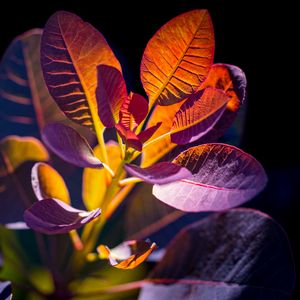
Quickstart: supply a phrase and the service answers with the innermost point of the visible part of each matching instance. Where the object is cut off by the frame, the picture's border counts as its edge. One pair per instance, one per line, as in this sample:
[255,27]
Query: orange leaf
[178,57]
[71,50]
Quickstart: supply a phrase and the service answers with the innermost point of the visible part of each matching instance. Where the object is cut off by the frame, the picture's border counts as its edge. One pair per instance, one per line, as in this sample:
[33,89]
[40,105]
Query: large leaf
[241,254]
[223,177]
[71,50]
[47,183]
[178,58]
[95,181]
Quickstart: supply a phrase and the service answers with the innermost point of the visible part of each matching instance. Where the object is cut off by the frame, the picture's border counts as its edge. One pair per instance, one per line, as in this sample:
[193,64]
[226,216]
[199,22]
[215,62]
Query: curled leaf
[52,216]
[178,57]
[127,255]
[223,177]
[160,173]
[71,50]
[234,255]
[110,94]
[70,146]
[47,183]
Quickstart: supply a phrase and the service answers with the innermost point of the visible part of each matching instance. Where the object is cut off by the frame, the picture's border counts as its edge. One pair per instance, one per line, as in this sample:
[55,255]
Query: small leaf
[178,57]
[52,216]
[234,255]
[133,111]
[129,137]
[110,94]
[160,173]
[146,134]
[223,177]
[95,181]
[127,255]
[71,50]
[198,115]
[70,146]
[47,183]
[16,150]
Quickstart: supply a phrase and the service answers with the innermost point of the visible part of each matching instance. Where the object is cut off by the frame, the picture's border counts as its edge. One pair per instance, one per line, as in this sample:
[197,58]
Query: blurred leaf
[110,94]
[234,255]
[42,279]
[47,183]
[5,290]
[95,181]
[71,50]
[16,150]
[178,58]
[223,177]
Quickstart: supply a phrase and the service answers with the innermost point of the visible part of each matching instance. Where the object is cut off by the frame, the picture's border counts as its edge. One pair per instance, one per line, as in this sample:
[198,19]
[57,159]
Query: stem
[129,180]
[76,241]
[101,142]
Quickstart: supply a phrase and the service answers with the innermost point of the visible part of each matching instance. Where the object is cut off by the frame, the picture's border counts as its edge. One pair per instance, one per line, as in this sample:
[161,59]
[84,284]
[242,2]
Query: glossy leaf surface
[52,216]
[178,57]
[70,146]
[239,254]
[127,255]
[71,50]
[160,173]
[47,183]
[223,177]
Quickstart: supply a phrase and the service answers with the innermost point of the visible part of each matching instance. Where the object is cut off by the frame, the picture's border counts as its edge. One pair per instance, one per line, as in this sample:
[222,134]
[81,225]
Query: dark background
[257,39]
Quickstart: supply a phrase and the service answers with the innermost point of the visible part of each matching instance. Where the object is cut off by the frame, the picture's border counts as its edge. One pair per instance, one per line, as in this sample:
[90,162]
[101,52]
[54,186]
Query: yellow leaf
[95,181]
[16,150]
[47,183]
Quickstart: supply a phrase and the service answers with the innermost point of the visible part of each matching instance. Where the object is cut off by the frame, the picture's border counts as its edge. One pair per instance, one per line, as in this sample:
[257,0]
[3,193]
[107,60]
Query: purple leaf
[234,255]
[5,290]
[160,173]
[146,134]
[52,216]
[197,116]
[223,177]
[70,146]
[129,137]
[110,94]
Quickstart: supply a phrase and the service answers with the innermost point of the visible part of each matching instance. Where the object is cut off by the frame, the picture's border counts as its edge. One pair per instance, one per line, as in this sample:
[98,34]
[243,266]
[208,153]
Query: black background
[254,37]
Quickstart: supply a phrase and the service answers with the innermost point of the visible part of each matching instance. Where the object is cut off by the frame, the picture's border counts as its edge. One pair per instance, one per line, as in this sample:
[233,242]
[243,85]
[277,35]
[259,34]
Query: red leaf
[129,137]
[147,133]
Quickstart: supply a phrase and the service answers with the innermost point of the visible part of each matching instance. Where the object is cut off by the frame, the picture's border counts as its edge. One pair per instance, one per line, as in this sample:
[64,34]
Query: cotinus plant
[61,88]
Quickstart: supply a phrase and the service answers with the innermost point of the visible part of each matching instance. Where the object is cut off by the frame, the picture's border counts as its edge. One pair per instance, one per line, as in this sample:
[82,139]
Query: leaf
[157,150]
[178,57]
[47,183]
[198,115]
[52,216]
[234,255]
[160,173]
[223,177]
[5,290]
[146,134]
[70,146]
[16,150]
[110,94]
[129,137]
[127,255]
[95,181]
[133,111]
[71,50]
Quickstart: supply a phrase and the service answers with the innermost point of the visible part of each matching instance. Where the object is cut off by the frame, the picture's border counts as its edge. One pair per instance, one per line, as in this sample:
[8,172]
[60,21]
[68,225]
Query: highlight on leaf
[52,216]
[178,57]
[226,256]
[71,50]
[128,255]
[223,177]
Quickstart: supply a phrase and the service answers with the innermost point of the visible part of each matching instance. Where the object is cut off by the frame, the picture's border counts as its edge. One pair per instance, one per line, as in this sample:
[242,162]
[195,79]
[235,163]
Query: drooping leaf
[178,57]
[158,149]
[52,216]
[47,183]
[239,254]
[223,177]
[127,255]
[70,146]
[5,290]
[133,111]
[110,94]
[197,116]
[160,173]
[16,150]
[71,50]
[95,181]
